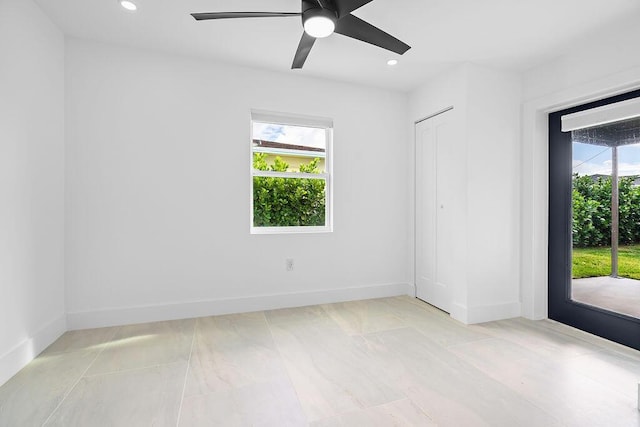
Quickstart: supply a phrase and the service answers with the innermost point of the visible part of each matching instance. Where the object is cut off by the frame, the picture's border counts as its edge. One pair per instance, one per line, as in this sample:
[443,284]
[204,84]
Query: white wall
[158,190]
[32,312]
[487,115]
[605,64]
[610,50]
[493,169]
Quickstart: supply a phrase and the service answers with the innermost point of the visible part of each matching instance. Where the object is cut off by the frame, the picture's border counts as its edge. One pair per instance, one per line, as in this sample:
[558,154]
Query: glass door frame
[616,327]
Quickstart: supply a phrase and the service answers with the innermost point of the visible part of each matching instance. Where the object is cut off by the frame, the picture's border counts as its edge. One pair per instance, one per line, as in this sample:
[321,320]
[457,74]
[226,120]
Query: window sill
[291,230]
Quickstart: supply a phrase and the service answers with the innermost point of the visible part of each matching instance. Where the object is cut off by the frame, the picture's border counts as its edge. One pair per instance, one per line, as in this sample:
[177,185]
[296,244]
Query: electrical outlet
[289,264]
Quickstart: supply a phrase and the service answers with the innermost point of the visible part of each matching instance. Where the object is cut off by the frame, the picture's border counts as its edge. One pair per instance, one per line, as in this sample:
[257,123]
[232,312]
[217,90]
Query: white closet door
[436,159]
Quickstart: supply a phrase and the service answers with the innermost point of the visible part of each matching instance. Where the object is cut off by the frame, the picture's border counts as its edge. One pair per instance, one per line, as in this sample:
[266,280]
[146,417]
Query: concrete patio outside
[620,295]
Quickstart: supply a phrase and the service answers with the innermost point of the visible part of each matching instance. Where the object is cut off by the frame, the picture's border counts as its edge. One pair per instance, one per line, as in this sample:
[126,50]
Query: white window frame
[261,116]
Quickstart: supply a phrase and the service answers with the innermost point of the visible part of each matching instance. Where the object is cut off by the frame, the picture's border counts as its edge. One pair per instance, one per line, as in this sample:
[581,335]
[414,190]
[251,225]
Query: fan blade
[356,28]
[228,15]
[345,7]
[306,43]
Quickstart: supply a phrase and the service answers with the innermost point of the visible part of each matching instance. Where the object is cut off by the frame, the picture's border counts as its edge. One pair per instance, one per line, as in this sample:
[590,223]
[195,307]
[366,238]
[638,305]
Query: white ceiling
[513,34]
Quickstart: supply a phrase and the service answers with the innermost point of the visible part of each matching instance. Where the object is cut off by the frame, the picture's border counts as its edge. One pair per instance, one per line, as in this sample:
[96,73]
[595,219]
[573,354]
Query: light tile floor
[382,362]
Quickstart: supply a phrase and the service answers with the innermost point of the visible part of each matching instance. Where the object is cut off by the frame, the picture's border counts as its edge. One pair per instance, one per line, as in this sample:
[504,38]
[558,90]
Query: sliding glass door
[594,218]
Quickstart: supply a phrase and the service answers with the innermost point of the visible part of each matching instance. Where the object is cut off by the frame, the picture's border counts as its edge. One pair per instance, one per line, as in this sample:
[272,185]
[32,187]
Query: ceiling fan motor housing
[314,11]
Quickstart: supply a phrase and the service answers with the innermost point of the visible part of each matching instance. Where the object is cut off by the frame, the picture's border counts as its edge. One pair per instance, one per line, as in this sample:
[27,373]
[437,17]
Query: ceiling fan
[321,18]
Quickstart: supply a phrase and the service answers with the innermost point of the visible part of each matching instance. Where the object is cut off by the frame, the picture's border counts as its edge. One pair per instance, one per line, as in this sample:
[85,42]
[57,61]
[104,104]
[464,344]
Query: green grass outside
[595,262]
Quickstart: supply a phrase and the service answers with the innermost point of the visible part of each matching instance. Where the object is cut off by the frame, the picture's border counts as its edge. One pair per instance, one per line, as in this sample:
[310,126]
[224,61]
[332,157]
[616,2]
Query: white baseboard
[459,312]
[185,310]
[411,290]
[25,351]
[486,313]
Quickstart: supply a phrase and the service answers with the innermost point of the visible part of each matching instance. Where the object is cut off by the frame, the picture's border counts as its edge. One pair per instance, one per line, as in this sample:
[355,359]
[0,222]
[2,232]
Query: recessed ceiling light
[392,62]
[129,5]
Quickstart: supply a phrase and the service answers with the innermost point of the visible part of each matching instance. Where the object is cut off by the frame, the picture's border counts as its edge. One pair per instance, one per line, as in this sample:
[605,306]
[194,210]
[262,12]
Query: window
[290,173]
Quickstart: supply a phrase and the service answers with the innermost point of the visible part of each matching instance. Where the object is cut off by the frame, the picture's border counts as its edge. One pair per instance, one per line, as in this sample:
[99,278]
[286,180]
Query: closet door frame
[428,287]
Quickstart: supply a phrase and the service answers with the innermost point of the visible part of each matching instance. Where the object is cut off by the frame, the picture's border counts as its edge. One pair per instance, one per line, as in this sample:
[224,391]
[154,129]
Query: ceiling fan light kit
[128,4]
[319,23]
[321,18]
